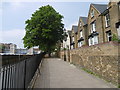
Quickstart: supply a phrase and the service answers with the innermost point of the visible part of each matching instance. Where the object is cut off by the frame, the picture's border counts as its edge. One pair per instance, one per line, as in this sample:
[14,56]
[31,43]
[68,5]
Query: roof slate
[100,7]
[75,28]
[84,19]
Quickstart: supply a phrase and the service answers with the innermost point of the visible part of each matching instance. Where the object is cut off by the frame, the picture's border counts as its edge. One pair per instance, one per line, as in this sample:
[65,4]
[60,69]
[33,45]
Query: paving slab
[56,73]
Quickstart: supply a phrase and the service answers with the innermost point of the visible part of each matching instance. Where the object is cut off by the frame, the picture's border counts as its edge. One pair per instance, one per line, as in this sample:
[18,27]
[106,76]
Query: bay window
[80,44]
[95,40]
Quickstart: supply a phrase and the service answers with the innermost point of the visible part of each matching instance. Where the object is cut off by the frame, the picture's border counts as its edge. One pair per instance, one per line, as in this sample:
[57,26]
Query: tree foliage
[44,29]
[2,47]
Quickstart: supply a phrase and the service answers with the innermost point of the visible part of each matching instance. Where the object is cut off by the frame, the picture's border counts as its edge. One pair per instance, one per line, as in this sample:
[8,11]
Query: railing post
[3,78]
[25,76]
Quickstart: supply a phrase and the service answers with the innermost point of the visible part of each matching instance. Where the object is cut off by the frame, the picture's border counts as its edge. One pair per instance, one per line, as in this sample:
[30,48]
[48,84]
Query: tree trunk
[49,54]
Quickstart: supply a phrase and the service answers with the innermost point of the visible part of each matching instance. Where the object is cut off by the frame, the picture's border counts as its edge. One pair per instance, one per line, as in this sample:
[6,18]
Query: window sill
[92,17]
[107,27]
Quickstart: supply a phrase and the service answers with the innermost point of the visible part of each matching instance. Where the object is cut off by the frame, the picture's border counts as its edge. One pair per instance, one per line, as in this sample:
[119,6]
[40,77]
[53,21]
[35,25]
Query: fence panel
[20,74]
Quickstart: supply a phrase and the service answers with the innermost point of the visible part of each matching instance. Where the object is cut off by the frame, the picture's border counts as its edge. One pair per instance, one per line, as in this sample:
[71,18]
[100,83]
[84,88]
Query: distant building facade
[21,51]
[32,51]
[10,48]
[13,48]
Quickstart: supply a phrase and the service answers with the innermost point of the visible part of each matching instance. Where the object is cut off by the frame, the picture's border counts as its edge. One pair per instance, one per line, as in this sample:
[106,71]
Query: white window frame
[90,41]
[72,46]
[118,30]
[93,27]
[119,9]
[81,33]
[109,36]
[73,39]
[95,40]
[92,13]
[81,43]
[107,20]
[80,24]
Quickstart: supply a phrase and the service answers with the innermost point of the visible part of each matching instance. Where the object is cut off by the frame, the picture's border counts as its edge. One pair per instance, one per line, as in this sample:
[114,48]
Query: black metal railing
[19,75]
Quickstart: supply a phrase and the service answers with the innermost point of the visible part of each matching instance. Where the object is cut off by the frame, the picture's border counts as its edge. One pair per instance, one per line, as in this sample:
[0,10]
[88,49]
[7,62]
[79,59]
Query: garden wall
[102,59]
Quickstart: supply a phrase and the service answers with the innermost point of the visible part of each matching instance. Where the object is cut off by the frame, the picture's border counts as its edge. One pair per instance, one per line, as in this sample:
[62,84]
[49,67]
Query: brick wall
[101,59]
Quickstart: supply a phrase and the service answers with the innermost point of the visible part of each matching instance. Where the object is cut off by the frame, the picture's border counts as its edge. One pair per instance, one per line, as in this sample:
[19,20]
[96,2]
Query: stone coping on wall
[106,43]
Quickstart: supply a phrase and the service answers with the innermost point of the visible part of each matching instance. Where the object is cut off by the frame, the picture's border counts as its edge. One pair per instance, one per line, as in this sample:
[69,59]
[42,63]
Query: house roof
[84,19]
[75,28]
[100,7]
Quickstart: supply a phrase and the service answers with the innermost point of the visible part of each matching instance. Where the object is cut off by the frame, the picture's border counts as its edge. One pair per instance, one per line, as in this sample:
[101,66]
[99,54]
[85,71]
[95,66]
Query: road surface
[56,73]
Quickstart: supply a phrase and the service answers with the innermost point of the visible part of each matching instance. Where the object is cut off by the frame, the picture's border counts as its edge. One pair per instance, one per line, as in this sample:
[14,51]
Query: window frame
[93,26]
[80,44]
[80,23]
[81,33]
[92,13]
[109,35]
[95,40]
[107,20]
[90,41]
[119,8]
[73,39]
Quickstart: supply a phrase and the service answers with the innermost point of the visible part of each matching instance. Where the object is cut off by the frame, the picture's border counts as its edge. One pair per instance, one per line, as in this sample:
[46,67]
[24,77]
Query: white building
[9,48]
[66,41]
[13,48]
[21,51]
[33,50]
[30,51]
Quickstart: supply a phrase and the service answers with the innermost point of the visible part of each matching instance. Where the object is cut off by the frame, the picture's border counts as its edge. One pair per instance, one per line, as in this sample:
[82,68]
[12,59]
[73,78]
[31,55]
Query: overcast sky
[14,14]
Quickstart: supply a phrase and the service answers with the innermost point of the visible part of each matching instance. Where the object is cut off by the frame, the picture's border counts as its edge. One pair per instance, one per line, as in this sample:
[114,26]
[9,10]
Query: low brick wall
[102,59]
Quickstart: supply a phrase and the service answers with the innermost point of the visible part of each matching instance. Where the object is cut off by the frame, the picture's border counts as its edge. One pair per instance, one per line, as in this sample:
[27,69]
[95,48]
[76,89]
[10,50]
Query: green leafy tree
[2,47]
[44,29]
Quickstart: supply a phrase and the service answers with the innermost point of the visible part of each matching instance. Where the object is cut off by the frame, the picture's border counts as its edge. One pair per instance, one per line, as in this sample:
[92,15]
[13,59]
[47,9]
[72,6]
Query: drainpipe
[103,28]
[118,11]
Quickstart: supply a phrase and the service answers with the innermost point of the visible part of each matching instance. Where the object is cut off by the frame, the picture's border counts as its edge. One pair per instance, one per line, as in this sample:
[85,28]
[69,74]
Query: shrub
[115,38]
